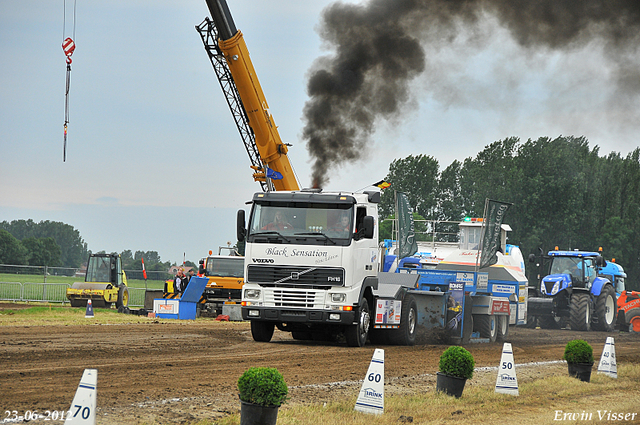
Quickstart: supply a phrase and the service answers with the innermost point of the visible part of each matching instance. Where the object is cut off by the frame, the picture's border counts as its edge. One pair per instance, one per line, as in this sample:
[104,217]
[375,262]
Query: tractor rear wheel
[580,312]
[605,310]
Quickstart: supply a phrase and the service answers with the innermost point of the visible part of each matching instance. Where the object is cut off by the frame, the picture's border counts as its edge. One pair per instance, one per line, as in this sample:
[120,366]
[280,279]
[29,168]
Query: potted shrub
[262,391]
[579,357]
[456,366]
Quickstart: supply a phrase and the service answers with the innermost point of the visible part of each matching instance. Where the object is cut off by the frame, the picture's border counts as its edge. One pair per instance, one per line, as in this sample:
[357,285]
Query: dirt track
[182,371]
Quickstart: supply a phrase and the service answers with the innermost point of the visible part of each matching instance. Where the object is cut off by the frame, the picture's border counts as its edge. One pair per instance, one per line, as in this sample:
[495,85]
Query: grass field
[53,314]
[30,278]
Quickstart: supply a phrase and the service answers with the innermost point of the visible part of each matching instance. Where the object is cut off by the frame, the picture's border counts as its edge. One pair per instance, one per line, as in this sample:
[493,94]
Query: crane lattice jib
[209,35]
[238,79]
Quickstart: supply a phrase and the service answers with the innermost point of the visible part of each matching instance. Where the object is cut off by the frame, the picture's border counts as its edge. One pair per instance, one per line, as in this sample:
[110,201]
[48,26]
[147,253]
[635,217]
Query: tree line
[563,193]
[56,244]
[47,243]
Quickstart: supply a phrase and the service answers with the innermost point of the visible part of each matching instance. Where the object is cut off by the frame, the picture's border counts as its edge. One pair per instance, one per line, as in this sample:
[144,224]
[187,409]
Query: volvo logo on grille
[263,260]
[295,276]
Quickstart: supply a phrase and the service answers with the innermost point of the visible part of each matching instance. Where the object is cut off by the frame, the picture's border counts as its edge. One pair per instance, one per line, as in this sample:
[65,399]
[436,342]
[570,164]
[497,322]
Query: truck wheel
[502,325]
[580,312]
[406,333]
[356,335]
[262,331]
[605,310]
[123,297]
[487,326]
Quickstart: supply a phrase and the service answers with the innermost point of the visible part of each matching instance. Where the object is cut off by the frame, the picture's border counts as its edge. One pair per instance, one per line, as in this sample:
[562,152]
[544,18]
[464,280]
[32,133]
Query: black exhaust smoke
[379,49]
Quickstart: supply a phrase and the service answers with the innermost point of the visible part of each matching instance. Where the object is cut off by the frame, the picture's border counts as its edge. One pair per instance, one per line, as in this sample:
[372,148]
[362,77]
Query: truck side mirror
[532,258]
[600,261]
[241,230]
[368,224]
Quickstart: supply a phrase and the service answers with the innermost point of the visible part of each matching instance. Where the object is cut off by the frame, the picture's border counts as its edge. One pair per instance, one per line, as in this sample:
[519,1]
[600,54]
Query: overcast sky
[154,160]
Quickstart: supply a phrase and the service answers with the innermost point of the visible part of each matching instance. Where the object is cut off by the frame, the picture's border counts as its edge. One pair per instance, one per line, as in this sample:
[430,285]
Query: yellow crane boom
[231,61]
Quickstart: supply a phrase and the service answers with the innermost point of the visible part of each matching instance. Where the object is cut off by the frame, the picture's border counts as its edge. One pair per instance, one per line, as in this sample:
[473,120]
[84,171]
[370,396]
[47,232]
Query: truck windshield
[302,223]
[225,267]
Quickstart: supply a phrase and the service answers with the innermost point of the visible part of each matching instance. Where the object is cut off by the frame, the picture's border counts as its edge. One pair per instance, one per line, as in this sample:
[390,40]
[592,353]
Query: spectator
[177,282]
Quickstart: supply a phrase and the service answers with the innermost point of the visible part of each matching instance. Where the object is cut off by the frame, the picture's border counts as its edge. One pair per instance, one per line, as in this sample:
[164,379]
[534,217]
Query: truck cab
[226,277]
[311,262]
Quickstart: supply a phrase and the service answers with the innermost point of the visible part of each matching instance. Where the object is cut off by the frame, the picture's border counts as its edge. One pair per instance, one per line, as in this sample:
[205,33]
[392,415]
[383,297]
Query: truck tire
[356,335]
[502,332]
[262,331]
[487,325]
[123,297]
[406,333]
[605,310]
[580,312]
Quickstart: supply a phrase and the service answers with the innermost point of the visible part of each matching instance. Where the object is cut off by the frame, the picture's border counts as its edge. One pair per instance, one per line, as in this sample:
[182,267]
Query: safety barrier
[53,293]
[10,291]
[49,292]
[136,297]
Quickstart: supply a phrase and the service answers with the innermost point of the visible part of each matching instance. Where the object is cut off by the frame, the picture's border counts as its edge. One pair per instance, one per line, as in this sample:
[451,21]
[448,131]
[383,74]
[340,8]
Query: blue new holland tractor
[574,292]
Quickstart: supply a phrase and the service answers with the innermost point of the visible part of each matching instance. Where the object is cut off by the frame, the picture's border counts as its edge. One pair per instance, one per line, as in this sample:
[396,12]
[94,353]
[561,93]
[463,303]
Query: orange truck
[226,278]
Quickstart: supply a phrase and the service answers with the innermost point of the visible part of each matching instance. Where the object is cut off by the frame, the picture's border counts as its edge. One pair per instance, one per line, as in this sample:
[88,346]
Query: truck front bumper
[284,315]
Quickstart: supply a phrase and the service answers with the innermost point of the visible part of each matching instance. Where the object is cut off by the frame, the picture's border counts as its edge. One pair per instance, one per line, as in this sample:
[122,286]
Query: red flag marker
[144,271]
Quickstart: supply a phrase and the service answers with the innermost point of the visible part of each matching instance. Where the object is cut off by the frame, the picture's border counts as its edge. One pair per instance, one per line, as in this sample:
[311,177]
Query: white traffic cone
[371,397]
[507,383]
[89,312]
[607,363]
[83,406]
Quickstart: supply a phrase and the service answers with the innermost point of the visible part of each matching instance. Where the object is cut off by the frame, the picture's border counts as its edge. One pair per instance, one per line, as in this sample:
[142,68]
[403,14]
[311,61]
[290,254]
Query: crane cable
[68,46]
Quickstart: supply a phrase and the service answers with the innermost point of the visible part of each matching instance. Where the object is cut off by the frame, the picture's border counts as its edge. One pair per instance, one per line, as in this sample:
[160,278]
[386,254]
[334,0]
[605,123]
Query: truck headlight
[338,298]
[252,294]
[556,288]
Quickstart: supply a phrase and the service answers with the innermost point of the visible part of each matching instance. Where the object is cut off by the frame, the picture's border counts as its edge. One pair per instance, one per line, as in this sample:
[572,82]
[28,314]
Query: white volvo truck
[311,264]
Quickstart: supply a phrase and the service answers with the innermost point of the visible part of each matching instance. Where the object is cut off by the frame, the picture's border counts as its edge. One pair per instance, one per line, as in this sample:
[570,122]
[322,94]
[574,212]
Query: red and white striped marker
[144,271]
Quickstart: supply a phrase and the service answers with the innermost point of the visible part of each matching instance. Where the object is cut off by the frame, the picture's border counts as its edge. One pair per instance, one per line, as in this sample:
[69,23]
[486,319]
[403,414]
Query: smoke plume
[379,48]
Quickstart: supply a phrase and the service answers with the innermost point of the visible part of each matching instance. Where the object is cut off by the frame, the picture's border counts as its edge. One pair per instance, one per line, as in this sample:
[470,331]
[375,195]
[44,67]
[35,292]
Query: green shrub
[263,385]
[578,351]
[457,361]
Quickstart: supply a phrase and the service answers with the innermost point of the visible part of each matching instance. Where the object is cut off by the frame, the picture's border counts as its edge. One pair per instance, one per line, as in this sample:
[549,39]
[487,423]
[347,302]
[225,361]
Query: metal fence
[53,293]
[47,272]
[44,271]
